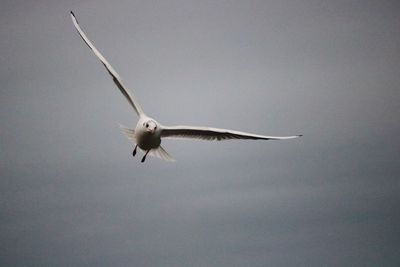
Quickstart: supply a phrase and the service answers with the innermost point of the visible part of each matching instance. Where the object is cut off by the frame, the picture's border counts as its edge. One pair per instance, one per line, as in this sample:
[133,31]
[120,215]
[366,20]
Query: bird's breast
[146,140]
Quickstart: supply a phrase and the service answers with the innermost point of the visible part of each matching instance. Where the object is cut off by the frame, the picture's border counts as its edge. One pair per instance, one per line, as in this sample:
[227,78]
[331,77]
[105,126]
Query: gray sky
[72,195]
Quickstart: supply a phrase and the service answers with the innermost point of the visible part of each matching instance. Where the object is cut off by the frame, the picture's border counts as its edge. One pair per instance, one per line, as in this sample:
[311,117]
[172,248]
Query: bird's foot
[144,157]
[134,151]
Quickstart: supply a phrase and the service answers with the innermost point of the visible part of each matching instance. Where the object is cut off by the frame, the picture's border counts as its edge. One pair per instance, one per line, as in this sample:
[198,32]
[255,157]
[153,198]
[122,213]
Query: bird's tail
[130,133]
[160,152]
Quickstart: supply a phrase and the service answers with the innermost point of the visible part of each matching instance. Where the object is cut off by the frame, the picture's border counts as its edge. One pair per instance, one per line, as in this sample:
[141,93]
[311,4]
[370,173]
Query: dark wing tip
[73,15]
[299,135]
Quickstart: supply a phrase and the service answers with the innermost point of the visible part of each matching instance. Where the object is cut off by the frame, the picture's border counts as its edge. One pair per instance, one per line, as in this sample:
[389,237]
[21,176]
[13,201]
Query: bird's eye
[147,125]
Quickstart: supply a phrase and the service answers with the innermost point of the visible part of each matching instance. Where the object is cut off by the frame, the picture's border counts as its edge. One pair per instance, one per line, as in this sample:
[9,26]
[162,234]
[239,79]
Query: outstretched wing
[116,78]
[205,133]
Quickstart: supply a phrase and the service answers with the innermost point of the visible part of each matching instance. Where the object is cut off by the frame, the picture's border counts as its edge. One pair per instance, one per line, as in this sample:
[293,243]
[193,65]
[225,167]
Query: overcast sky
[71,194]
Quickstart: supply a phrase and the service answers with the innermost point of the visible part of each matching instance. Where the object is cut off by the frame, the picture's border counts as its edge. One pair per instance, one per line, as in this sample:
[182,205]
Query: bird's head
[150,126]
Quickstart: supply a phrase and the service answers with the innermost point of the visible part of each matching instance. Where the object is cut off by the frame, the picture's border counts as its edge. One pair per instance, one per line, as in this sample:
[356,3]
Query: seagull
[148,132]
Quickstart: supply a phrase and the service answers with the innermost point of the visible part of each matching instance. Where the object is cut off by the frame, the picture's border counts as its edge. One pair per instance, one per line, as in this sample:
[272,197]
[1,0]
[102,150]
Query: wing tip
[74,19]
[295,136]
[291,137]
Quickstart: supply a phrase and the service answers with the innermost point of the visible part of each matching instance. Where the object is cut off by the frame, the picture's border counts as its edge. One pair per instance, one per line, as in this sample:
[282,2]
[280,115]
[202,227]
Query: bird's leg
[134,151]
[144,157]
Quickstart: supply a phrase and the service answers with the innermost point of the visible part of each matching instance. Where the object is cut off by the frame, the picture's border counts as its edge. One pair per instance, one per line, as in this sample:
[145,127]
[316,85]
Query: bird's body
[147,137]
[148,132]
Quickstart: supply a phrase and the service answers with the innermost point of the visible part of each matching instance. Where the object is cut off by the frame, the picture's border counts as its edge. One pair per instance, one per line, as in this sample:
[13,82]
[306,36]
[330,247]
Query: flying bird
[148,132]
